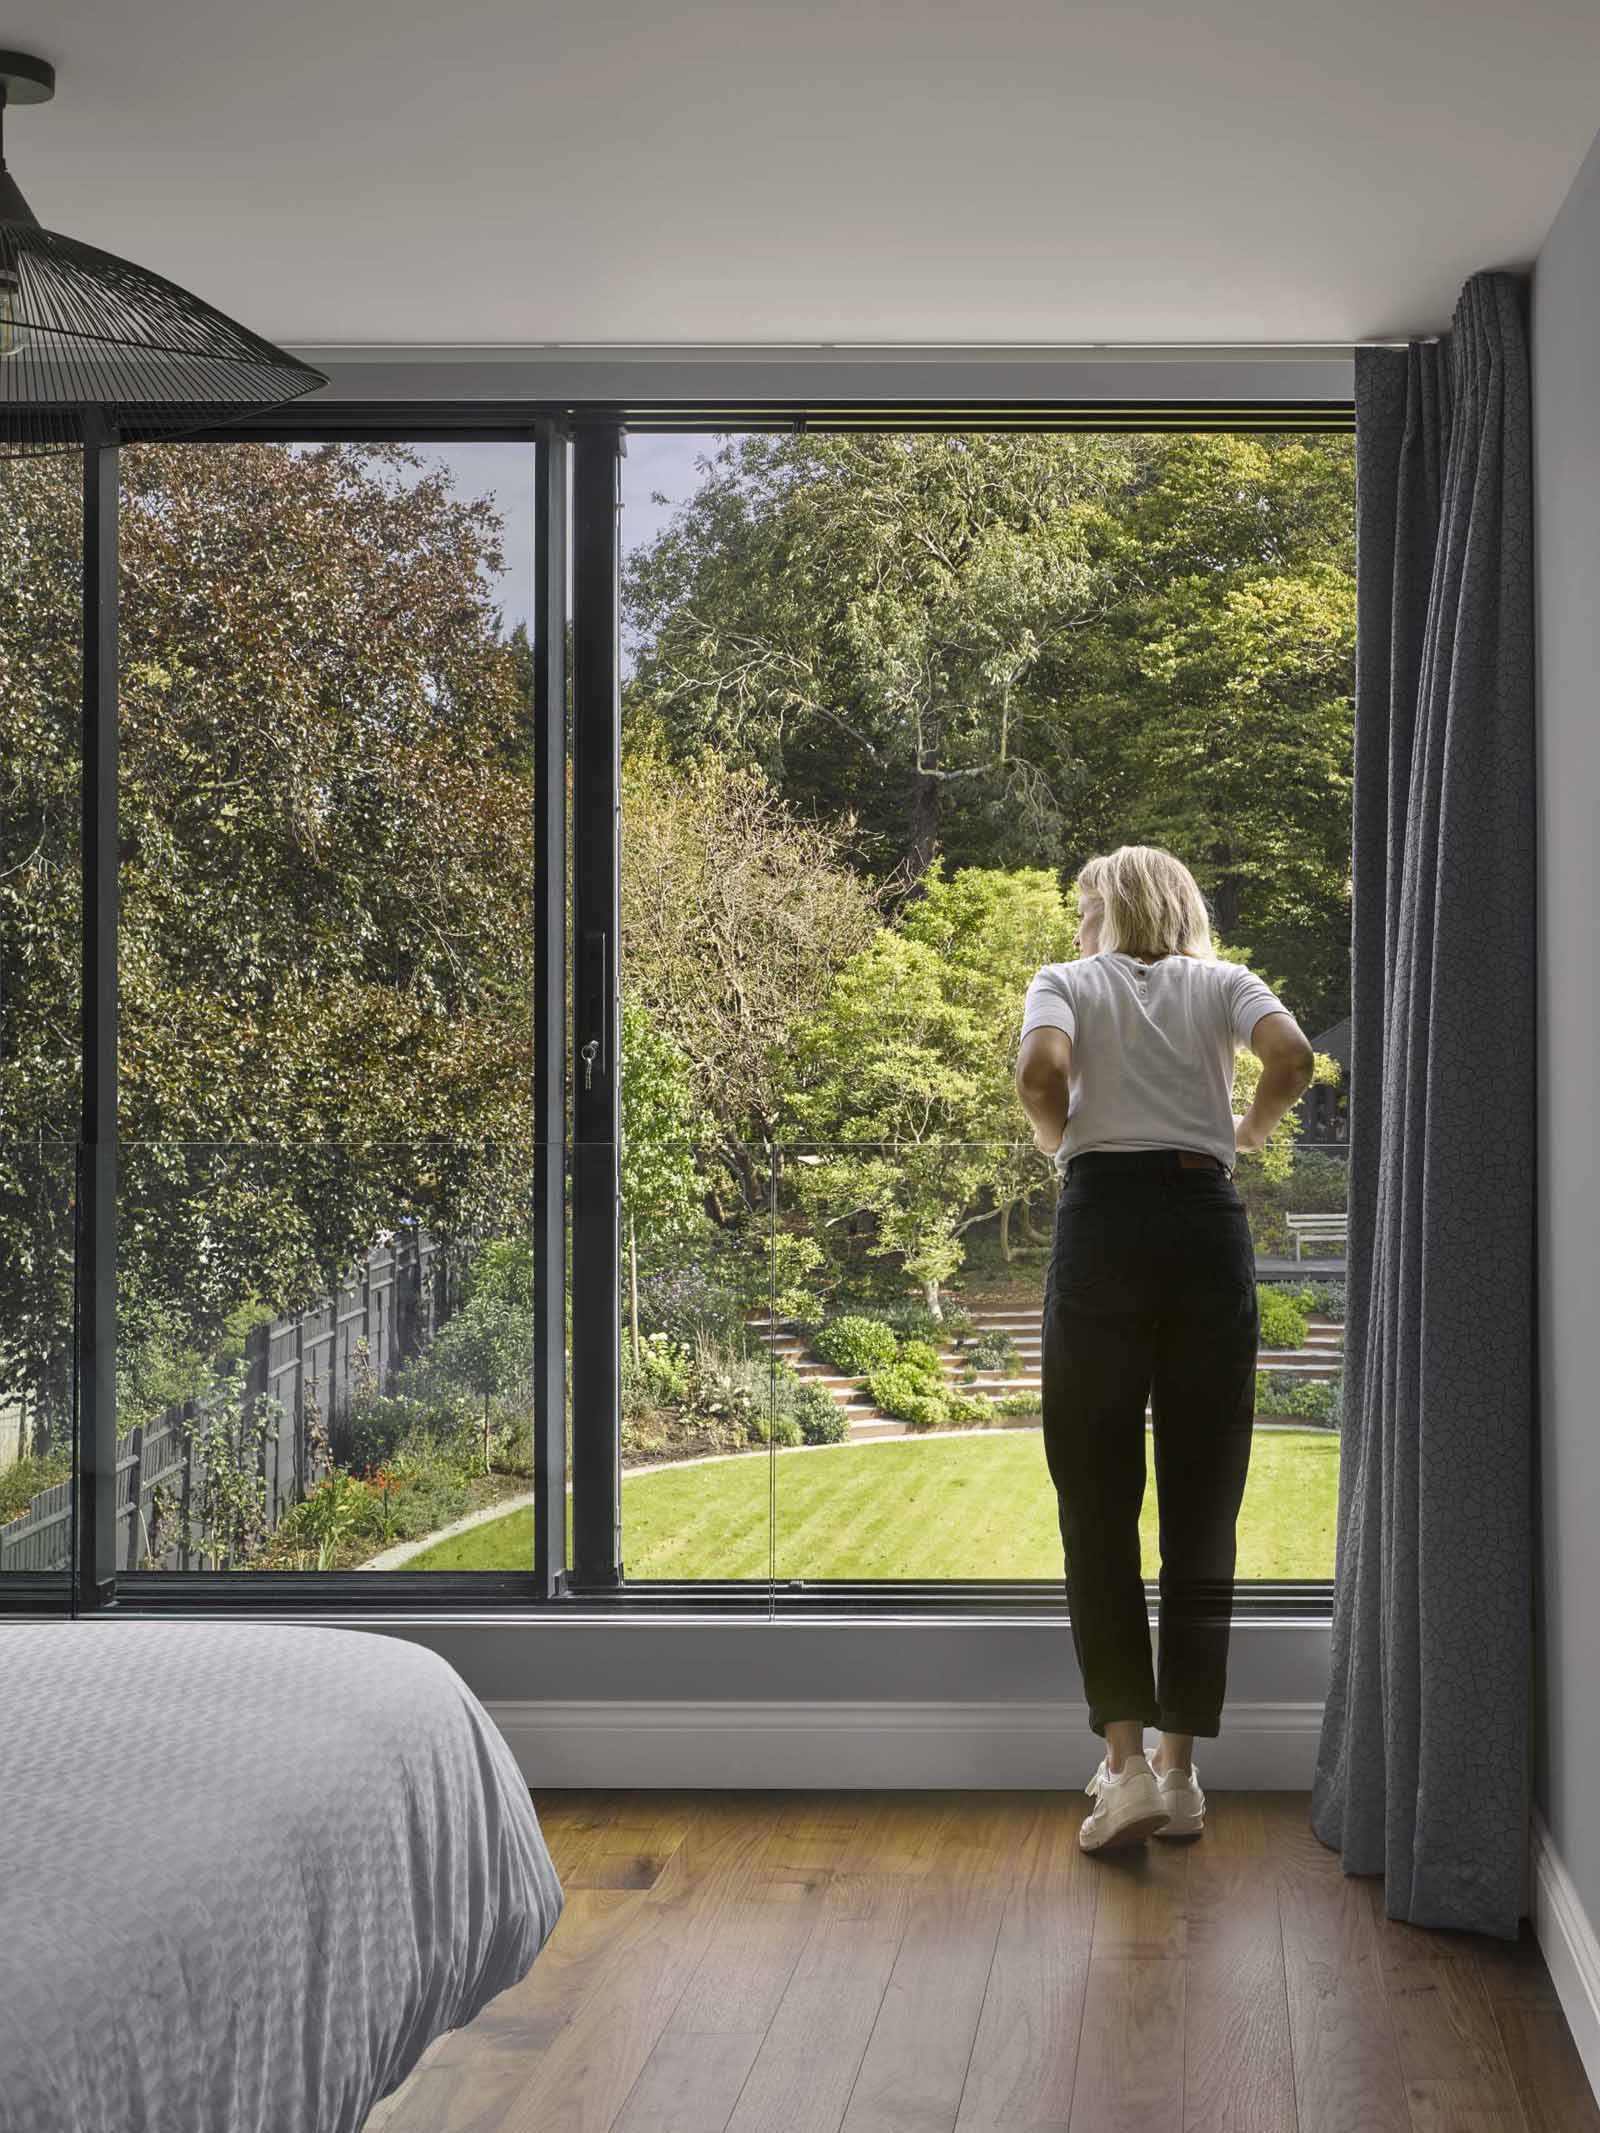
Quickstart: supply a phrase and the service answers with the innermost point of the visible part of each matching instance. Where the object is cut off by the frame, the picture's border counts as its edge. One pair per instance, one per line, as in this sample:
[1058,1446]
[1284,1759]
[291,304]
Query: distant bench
[1317,1229]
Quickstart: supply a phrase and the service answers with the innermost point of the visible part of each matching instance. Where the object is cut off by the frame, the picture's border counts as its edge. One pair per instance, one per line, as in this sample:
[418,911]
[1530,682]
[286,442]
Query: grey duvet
[247,1872]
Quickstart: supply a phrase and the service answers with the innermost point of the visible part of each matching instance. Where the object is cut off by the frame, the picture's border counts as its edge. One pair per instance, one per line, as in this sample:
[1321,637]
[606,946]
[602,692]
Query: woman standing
[1126,1072]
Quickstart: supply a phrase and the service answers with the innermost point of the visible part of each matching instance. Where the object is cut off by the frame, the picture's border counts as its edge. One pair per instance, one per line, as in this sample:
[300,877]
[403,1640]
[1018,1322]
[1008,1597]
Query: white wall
[1566,404]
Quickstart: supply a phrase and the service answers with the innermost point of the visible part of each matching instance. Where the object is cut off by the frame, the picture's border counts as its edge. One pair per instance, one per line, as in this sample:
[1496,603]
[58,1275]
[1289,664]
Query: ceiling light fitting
[86,335]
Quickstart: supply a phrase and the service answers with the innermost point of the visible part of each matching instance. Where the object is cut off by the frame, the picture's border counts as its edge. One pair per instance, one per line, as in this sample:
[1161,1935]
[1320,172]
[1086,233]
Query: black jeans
[1151,1296]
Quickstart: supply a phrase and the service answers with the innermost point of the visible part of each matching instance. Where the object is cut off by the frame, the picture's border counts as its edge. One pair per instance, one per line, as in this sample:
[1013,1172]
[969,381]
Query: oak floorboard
[698,2066]
[1130,2056]
[1551,2083]
[1025,2052]
[588,2069]
[915,2066]
[760,1976]
[1515,1973]
[1346,2063]
[1238,2066]
[633,1848]
[802,2076]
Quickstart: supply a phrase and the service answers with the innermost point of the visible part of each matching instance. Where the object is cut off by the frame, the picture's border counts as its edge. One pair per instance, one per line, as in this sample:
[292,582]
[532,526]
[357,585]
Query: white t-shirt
[1153,1048]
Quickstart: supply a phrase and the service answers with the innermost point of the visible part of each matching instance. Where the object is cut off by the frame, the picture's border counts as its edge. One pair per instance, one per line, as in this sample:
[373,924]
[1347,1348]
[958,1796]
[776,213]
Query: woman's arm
[1044,1072]
[1287,1063]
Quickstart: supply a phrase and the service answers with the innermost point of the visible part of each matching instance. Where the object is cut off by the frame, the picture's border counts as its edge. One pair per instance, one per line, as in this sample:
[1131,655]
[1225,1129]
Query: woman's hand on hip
[1248,1137]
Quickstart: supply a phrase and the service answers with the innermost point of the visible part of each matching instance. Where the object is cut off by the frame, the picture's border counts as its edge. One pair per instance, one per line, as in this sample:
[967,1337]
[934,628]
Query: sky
[664,465]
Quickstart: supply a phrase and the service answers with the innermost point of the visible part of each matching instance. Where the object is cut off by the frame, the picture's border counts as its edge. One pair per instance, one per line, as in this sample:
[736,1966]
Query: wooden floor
[952,1963]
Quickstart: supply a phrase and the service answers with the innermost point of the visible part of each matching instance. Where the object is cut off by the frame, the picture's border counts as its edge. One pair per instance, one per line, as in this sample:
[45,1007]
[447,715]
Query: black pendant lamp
[85,335]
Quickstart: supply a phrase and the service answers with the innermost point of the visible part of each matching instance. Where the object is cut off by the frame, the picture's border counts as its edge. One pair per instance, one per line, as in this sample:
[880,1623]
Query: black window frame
[577,450]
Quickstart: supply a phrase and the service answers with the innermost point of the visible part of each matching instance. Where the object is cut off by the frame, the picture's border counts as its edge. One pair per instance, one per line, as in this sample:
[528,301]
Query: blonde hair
[1152,903]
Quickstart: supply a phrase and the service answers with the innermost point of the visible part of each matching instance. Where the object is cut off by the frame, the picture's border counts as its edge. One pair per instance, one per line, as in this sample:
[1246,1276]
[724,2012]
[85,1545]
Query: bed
[247,1873]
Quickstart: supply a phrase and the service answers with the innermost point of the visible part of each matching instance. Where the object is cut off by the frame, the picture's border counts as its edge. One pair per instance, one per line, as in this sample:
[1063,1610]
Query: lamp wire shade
[89,339]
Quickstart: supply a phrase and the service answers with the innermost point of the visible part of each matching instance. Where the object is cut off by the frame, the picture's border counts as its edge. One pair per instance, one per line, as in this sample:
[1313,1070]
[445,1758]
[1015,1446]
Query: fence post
[134,1446]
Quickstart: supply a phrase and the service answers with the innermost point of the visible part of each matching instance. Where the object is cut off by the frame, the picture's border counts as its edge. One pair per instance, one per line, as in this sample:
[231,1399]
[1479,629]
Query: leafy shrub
[822,1420]
[1282,1392]
[922,1410]
[1019,1403]
[970,1410]
[1283,1323]
[914,1321]
[377,1424]
[856,1345]
[21,1483]
[776,1429]
[901,1392]
[1326,1298]
[924,1357]
[660,1377]
[692,1302]
[993,1350]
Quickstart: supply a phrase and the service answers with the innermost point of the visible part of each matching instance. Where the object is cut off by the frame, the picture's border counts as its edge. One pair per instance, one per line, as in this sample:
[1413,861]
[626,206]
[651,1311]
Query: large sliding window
[883,692]
[413,1125]
[331,1225]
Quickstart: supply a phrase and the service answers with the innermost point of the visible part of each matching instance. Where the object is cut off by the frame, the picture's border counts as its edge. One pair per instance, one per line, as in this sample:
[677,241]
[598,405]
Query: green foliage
[662,1127]
[820,1418]
[912,1388]
[777,1429]
[1283,1392]
[993,1350]
[1020,650]
[485,1352]
[326,933]
[660,1376]
[1283,1322]
[226,1517]
[856,1344]
[914,1321]
[1311,1182]
[1018,1403]
[23,1480]
[922,1356]
[1326,1298]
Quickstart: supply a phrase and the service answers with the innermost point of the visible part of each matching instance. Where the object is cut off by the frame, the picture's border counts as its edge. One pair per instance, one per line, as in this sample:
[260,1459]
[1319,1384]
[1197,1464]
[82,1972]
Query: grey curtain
[1422,1768]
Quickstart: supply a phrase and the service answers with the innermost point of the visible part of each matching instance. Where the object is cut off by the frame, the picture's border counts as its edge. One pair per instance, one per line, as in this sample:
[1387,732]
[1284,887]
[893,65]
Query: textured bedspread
[246,1873]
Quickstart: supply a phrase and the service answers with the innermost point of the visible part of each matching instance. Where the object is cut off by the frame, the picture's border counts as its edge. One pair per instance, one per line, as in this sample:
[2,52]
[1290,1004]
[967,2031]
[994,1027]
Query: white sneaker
[1128,1806]
[1180,1790]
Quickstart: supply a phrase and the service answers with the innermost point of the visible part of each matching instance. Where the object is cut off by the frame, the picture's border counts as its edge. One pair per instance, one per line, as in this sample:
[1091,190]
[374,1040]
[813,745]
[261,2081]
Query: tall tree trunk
[924,839]
[1005,1231]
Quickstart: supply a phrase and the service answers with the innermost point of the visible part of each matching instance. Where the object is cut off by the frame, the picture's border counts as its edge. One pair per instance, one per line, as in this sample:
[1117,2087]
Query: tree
[736,912]
[1021,650]
[992,931]
[326,889]
[859,610]
[662,1132]
[887,1109]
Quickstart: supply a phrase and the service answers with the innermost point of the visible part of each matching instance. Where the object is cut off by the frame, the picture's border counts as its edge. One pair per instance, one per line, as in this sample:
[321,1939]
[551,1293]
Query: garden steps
[1321,1357]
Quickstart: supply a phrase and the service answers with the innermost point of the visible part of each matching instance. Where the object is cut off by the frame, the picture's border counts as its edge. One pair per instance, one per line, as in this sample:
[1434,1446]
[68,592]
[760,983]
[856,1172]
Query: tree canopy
[1014,651]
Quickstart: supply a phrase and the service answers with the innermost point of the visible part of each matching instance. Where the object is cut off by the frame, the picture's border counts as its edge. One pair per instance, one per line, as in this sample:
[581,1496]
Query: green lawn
[932,1507]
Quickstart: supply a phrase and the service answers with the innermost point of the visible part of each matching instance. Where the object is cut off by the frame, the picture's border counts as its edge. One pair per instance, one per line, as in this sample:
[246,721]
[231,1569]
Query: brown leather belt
[1189,1161]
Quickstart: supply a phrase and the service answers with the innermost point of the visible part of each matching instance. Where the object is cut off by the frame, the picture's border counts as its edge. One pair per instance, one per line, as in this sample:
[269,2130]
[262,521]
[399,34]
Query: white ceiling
[383,172]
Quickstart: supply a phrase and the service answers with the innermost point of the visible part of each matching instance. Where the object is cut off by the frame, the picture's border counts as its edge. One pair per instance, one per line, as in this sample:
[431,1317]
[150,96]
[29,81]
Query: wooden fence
[310,1364]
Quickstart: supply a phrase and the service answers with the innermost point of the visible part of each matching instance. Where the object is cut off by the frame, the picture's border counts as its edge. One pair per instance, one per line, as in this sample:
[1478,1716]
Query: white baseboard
[821,1745]
[1571,1949]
